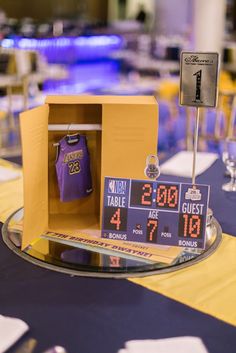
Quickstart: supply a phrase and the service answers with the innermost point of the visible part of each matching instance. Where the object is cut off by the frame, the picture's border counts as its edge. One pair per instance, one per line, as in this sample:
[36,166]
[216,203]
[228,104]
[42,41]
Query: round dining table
[95,315]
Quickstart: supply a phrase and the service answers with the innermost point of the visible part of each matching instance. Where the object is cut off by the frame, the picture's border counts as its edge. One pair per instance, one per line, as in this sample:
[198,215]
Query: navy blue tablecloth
[96,315]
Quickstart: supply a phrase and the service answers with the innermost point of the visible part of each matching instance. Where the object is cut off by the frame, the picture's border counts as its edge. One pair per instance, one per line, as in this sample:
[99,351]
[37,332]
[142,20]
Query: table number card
[156,212]
[198,79]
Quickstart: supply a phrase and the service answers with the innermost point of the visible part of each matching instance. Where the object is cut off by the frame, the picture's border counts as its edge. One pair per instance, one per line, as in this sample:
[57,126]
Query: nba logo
[111,186]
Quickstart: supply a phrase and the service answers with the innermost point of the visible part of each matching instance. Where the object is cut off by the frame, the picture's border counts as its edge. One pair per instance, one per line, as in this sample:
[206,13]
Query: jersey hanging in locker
[73,168]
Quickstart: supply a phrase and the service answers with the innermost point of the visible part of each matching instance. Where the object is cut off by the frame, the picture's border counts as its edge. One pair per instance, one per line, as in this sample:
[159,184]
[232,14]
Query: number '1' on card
[198,79]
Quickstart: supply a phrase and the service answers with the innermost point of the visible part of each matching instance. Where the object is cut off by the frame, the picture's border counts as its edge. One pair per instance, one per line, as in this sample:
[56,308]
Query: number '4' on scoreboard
[155,212]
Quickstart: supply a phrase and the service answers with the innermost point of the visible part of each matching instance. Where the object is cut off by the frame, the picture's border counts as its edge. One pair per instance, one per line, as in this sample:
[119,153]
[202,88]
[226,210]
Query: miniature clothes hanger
[71,138]
[74,127]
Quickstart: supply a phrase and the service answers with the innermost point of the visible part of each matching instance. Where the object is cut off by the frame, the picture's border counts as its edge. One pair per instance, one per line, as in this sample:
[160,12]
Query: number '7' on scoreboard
[156,212]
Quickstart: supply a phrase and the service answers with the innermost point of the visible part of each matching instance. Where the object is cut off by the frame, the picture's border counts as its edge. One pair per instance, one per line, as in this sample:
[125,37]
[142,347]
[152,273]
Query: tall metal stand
[195,144]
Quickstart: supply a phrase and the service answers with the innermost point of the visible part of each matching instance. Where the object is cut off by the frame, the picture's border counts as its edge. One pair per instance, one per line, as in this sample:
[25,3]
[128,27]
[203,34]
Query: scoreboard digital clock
[155,212]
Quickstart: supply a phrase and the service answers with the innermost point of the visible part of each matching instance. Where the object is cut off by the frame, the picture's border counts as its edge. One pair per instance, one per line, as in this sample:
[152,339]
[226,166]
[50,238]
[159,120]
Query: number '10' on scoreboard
[155,212]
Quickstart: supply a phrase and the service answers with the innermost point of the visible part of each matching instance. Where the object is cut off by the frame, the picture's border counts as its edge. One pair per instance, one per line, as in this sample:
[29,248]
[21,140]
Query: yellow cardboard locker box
[129,127]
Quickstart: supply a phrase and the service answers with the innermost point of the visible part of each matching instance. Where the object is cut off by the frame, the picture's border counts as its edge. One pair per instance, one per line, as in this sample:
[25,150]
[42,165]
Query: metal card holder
[198,87]
[199,79]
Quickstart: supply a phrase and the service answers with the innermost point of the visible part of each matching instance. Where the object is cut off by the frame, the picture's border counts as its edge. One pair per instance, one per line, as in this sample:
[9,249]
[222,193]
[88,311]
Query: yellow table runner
[11,194]
[209,286]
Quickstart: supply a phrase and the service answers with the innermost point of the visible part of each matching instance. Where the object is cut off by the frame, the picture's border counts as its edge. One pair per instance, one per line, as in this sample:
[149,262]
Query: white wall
[173,17]
[112,10]
[202,21]
[209,25]
[133,6]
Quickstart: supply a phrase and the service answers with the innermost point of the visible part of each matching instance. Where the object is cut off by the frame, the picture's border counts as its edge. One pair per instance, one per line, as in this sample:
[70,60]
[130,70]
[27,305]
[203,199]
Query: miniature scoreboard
[155,212]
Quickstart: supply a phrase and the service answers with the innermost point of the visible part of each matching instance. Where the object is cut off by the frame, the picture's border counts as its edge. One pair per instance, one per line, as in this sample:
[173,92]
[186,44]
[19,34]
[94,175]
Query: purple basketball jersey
[73,169]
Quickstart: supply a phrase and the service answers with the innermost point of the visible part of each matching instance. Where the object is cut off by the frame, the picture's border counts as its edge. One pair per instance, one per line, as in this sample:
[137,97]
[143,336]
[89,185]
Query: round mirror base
[80,262]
